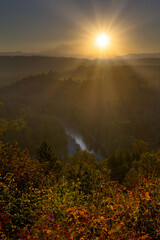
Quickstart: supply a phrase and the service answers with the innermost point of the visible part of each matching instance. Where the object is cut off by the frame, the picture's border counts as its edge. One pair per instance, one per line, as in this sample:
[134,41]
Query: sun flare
[103,40]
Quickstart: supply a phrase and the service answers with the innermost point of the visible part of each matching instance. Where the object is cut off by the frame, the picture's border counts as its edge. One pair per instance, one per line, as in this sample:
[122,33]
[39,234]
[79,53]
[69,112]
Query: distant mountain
[140,55]
[65,50]
[74,51]
[17,53]
[61,50]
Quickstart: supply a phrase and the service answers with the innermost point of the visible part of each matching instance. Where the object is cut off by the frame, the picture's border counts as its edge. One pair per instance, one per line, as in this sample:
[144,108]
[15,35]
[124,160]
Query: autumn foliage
[36,205]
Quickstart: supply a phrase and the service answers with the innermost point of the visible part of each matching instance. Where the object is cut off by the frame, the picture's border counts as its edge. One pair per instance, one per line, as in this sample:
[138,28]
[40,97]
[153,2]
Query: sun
[103,40]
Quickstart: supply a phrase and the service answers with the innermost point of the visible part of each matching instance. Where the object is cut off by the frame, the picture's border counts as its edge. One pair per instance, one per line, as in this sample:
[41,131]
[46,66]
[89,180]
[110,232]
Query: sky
[71,26]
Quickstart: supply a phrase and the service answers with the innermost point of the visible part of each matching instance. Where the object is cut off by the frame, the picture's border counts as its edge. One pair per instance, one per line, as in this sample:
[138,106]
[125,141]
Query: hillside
[113,104]
[14,68]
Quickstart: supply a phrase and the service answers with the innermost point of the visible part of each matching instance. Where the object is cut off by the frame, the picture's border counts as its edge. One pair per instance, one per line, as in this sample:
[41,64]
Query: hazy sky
[41,25]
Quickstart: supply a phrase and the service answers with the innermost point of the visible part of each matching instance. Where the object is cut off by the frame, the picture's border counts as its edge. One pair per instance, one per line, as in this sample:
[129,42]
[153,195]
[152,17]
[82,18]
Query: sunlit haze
[69,28]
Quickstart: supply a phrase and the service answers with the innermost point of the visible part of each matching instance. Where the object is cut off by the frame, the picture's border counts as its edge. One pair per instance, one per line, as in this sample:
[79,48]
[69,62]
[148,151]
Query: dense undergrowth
[74,200]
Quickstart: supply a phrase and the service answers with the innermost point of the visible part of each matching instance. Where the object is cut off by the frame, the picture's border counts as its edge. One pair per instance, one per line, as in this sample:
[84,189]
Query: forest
[47,193]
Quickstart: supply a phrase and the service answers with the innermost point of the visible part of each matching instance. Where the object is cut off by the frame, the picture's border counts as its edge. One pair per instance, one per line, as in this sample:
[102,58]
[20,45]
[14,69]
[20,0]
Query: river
[77,142]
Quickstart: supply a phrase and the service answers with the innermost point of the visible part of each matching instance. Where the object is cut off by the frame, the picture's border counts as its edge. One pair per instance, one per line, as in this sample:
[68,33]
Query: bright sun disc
[103,40]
